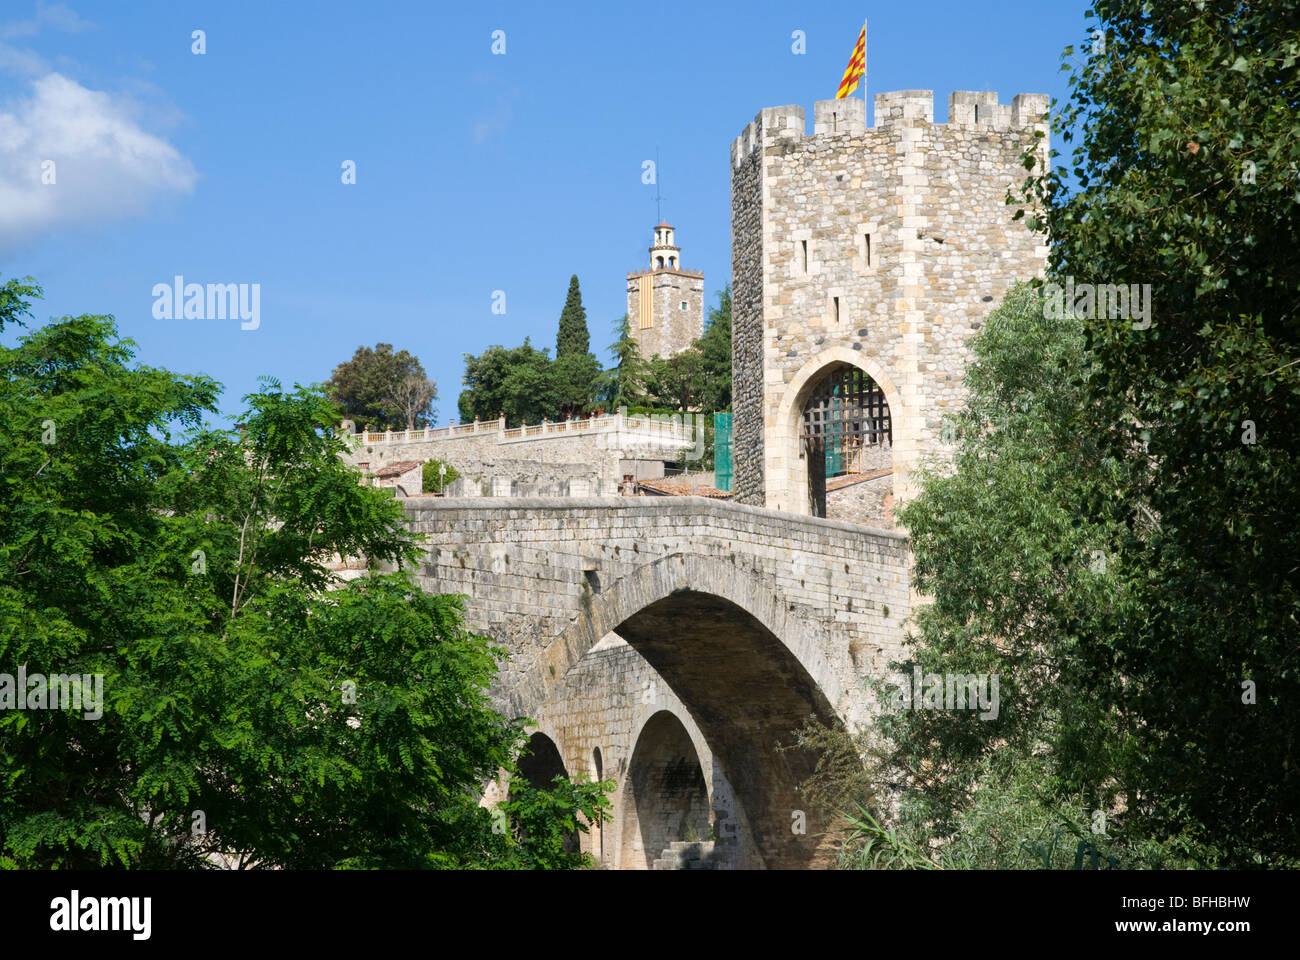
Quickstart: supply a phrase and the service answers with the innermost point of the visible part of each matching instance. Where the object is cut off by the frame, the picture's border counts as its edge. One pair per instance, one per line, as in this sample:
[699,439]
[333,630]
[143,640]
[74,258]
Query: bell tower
[663,252]
[665,304]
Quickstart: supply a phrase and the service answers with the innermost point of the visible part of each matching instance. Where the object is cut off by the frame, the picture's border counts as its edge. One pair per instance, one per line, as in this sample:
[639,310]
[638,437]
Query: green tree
[715,353]
[1017,581]
[575,381]
[676,382]
[252,706]
[1186,168]
[625,383]
[383,389]
[544,822]
[572,337]
[576,371]
[518,383]
[437,475]
[1114,539]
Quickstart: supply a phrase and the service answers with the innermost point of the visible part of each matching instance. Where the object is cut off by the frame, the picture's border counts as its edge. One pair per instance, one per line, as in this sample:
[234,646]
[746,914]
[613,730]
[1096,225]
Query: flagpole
[864,59]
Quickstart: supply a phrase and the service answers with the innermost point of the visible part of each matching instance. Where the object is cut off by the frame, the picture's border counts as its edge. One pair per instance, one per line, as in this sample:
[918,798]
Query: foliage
[676,381]
[1108,541]
[1026,587]
[1010,821]
[516,383]
[625,383]
[575,382]
[383,390]
[576,374]
[544,822]
[715,353]
[999,547]
[1010,825]
[572,337]
[253,707]
[436,478]
[1188,172]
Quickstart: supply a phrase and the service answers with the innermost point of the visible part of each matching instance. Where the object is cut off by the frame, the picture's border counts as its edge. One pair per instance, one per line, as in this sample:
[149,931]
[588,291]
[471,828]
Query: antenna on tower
[658,199]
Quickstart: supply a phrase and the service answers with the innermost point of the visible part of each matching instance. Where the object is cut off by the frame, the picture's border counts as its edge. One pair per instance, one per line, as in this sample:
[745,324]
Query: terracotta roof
[675,488]
[839,483]
[397,469]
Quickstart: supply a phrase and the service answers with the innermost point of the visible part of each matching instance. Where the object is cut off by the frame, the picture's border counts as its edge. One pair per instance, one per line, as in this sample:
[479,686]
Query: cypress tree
[573,337]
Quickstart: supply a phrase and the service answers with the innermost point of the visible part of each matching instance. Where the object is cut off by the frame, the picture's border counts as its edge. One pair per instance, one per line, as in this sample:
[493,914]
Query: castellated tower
[862,262]
[665,304]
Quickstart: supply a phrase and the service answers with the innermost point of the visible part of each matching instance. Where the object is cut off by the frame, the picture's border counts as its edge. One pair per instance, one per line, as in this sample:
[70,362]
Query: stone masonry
[739,621]
[575,458]
[881,247]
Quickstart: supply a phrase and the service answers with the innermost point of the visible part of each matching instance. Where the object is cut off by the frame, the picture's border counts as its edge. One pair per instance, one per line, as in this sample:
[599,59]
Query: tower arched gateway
[844,429]
[846,397]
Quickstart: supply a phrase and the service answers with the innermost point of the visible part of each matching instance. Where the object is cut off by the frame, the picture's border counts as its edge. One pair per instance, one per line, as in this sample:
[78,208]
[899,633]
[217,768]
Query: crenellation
[846,117]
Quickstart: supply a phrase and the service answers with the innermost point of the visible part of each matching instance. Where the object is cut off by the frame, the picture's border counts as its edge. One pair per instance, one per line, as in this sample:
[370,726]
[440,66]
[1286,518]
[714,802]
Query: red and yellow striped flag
[857,67]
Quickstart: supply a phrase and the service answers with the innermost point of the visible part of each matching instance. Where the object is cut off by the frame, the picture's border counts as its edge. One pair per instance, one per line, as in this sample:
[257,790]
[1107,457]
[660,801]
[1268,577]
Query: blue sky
[475,172]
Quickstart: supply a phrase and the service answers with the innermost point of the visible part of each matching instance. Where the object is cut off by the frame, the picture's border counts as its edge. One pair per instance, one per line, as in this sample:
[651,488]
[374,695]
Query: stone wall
[500,477]
[883,248]
[747,338]
[581,458]
[868,502]
[672,328]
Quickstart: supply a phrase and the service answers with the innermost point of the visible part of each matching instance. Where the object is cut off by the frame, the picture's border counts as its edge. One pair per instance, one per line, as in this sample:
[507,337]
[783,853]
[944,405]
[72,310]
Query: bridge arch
[743,661]
[539,765]
[787,473]
[542,762]
[665,795]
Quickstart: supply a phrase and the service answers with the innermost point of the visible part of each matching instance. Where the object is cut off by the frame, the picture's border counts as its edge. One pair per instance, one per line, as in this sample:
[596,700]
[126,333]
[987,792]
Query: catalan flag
[857,67]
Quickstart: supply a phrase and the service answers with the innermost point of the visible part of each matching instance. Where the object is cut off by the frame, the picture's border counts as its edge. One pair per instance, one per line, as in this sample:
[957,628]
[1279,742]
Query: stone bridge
[673,645]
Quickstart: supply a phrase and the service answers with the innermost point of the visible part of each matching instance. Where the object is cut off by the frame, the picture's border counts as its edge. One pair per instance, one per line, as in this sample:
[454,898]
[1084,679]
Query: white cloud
[106,166]
[495,120]
[57,16]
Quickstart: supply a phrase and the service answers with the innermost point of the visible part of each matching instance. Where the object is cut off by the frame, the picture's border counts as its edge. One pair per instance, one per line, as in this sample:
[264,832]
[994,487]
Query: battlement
[695,274]
[969,109]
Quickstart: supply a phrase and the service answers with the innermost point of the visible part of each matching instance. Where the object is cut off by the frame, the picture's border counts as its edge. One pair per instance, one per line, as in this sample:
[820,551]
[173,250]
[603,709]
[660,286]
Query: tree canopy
[253,707]
[1116,537]
[1188,169]
[516,383]
[383,389]
[526,385]
[572,336]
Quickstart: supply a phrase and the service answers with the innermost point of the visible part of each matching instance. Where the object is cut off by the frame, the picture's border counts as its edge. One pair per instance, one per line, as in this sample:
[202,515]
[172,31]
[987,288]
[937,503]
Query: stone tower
[863,259]
[665,304]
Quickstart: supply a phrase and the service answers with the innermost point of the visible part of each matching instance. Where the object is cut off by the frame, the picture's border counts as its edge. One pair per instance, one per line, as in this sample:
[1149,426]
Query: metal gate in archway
[844,414]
